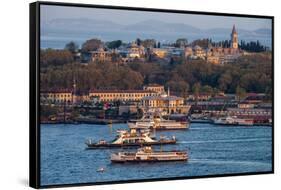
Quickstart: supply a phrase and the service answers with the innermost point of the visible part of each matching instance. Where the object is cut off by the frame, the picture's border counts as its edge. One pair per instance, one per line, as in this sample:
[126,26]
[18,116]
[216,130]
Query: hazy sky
[49,12]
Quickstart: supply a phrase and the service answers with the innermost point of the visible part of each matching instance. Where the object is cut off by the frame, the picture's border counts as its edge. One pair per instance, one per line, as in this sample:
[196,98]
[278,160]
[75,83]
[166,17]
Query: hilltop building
[220,55]
[135,51]
[234,38]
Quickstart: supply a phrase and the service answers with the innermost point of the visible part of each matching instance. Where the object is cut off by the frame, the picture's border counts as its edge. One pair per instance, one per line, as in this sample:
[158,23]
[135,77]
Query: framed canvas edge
[34,90]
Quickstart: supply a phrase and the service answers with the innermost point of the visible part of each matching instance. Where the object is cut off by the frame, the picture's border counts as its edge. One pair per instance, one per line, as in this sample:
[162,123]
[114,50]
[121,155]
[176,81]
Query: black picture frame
[34,91]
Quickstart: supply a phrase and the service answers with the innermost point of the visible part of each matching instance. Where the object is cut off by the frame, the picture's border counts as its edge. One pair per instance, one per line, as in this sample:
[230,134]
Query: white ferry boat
[146,154]
[131,138]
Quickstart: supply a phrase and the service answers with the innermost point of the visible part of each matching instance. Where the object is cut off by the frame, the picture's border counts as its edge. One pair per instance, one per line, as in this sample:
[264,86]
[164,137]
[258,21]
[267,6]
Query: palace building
[166,104]
[234,38]
[121,95]
[220,55]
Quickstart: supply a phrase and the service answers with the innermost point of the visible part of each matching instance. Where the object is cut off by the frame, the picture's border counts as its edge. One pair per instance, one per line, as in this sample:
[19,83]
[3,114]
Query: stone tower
[234,38]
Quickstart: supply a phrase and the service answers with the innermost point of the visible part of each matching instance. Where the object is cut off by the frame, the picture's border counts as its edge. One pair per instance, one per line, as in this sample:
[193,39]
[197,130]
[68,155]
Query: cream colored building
[121,95]
[165,104]
[56,96]
[188,52]
[135,51]
[213,59]
[159,52]
[199,52]
[101,55]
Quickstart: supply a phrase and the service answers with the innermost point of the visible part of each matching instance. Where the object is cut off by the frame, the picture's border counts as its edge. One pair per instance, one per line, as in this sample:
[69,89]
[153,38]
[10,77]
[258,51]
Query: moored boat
[131,138]
[156,121]
[146,154]
[233,121]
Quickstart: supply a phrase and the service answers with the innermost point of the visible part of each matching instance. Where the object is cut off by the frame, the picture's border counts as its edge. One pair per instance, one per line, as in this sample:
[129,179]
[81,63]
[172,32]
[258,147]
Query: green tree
[181,42]
[92,45]
[71,46]
[225,80]
[240,93]
[114,44]
[50,57]
[196,90]
[158,45]
[148,43]
[207,89]
[138,41]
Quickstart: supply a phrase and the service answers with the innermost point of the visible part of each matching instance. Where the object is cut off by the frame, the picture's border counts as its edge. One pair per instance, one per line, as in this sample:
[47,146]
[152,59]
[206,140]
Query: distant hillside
[153,26]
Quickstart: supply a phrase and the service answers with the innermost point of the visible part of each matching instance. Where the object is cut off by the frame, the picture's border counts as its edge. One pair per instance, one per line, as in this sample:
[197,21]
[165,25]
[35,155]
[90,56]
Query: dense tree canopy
[114,44]
[249,73]
[92,45]
[181,42]
[50,57]
[71,46]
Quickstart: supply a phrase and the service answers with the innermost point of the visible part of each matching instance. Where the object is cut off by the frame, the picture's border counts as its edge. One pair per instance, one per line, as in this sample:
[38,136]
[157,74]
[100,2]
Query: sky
[50,12]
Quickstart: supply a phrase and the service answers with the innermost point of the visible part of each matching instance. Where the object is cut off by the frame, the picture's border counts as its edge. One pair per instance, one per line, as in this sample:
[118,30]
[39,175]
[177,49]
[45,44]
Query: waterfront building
[165,104]
[56,96]
[244,105]
[121,95]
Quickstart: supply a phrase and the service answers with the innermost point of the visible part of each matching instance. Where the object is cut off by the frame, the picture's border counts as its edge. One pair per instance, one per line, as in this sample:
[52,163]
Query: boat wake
[230,162]
[225,140]
[199,128]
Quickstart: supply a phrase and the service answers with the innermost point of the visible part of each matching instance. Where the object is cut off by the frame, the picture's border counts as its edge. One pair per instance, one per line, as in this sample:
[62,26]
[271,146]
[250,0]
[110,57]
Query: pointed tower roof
[234,29]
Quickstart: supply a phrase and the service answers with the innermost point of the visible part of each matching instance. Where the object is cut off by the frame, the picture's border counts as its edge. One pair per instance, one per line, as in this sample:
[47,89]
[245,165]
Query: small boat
[233,121]
[101,169]
[131,138]
[146,154]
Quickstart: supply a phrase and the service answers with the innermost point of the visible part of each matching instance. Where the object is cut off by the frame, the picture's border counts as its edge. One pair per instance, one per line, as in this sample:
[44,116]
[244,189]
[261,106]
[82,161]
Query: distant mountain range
[147,26]
[56,33]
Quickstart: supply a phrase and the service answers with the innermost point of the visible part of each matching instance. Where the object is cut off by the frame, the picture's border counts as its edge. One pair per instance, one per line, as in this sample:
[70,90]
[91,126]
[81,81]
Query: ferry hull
[150,161]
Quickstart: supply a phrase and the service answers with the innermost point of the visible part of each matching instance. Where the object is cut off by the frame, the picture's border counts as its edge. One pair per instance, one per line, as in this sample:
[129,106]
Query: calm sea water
[58,40]
[212,150]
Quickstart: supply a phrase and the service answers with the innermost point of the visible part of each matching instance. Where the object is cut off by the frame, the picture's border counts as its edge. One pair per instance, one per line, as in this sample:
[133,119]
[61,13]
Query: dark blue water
[212,150]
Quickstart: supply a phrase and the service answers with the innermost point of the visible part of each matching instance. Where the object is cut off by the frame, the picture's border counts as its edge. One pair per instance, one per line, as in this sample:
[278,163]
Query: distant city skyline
[49,12]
